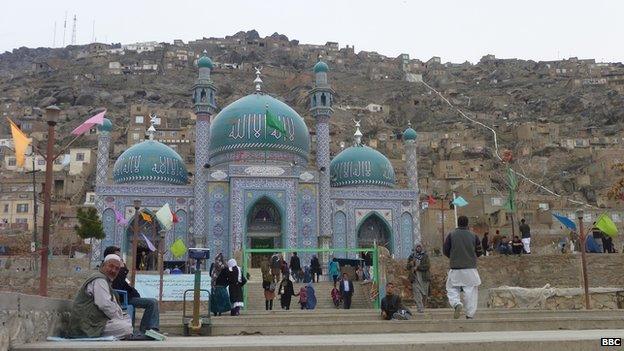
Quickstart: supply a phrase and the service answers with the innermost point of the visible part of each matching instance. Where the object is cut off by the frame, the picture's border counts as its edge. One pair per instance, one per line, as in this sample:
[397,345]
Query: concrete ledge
[30,318]
[578,340]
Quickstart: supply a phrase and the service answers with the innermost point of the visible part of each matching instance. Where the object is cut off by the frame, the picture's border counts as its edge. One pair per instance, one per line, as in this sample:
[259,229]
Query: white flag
[165,217]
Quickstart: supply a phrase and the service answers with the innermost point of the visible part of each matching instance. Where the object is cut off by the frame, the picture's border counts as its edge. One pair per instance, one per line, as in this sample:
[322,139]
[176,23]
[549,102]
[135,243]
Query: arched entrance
[147,259]
[264,228]
[374,229]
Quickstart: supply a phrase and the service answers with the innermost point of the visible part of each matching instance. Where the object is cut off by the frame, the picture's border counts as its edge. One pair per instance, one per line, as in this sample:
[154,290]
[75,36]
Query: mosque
[253,185]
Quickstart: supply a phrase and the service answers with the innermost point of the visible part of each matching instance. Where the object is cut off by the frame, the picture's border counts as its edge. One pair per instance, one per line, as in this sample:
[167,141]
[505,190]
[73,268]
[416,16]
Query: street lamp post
[135,241]
[52,113]
[579,215]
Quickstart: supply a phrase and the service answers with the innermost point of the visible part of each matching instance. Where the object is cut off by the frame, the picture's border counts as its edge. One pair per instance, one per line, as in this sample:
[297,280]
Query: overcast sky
[455,30]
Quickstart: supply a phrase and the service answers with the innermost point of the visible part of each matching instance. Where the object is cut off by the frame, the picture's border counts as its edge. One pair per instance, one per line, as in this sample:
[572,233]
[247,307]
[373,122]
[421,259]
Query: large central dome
[242,126]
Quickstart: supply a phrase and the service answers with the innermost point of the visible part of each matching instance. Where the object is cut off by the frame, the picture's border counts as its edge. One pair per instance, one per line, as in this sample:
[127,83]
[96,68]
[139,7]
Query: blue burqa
[311,304]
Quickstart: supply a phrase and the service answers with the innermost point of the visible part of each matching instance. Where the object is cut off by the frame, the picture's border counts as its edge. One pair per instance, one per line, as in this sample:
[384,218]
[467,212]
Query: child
[335,295]
[303,297]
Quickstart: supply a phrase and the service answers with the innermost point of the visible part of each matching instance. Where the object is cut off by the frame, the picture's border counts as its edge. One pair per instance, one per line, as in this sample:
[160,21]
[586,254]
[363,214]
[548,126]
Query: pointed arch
[381,231]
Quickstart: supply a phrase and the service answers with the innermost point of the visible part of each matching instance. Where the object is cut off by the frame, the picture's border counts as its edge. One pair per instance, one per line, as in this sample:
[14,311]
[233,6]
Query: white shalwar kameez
[468,281]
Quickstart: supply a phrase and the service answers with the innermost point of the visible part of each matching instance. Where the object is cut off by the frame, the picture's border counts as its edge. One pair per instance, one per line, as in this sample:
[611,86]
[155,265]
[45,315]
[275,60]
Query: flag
[175,217]
[273,122]
[606,225]
[149,243]
[431,200]
[460,202]
[178,249]
[146,217]
[20,142]
[164,217]
[119,218]
[88,124]
[565,221]
[512,183]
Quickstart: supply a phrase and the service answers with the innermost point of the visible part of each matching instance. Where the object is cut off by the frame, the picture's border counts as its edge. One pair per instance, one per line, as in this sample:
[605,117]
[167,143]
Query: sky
[455,30]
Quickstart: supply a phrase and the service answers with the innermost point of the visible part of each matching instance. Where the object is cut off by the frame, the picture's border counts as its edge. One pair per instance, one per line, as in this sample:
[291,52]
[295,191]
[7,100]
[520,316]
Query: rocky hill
[582,98]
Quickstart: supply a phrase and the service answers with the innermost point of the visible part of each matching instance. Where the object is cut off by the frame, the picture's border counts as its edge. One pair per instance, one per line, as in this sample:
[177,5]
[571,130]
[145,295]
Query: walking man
[463,247]
[346,290]
[525,230]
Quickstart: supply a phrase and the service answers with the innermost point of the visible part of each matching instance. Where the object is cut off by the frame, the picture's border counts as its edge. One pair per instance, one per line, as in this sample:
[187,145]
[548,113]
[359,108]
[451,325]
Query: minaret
[101,173]
[411,157]
[320,106]
[103,151]
[204,93]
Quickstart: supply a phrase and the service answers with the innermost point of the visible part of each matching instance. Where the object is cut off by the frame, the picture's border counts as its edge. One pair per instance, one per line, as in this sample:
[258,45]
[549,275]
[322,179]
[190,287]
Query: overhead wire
[497,153]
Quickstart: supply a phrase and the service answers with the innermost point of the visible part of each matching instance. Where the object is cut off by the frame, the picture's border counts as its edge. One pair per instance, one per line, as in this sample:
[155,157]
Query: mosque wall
[218,217]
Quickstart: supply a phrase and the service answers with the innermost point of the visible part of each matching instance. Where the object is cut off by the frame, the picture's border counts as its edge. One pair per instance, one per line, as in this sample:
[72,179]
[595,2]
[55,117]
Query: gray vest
[87,320]
[463,249]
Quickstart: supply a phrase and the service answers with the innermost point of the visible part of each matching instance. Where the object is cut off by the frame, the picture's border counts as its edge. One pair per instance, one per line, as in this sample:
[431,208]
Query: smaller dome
[321,67]
[361,165]
[150,161]
[409,134]
[204,62]
[107,126]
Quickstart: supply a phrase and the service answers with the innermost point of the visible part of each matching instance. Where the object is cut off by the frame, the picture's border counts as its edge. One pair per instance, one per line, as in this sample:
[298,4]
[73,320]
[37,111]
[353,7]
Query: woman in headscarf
[268,285]
[220,300]
[418,267]
[236,282]
[286,291]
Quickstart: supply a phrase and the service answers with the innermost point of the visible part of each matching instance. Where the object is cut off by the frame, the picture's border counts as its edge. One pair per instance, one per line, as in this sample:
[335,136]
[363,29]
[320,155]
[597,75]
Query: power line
[497,154]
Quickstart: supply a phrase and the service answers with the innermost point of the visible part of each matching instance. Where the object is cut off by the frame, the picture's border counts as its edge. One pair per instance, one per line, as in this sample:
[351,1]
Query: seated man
[95,311]
[151,315]
[391,305]
[503,246]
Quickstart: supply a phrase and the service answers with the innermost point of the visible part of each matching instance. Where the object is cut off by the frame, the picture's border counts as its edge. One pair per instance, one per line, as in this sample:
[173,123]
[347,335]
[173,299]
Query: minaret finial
[258,80]
[409,124]
[151,130]
[358,134]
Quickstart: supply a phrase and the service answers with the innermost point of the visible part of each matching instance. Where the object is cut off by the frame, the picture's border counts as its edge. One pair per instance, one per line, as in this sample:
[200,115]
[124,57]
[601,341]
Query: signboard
[173,286]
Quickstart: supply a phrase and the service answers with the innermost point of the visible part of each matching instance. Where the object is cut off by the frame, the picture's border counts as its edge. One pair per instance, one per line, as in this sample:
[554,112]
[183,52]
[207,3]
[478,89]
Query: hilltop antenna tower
[73,40]
[64,28]
[54,36]
[93,33]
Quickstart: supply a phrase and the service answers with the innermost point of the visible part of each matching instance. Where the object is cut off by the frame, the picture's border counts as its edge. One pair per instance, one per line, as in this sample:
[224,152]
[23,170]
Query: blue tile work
[218,221]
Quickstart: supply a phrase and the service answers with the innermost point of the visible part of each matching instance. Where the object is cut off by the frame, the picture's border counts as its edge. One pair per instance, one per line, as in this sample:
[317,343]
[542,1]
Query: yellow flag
[606,225]
[178,249]
[20,141]
[146,217]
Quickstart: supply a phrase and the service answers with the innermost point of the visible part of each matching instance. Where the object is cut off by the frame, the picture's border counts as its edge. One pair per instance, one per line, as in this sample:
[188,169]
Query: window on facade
[41,162]
[138,119]
[135,136]
[157,121]
[21,220]
[12,162]
[80,156]
[22,208]
[6,208]
[91,198]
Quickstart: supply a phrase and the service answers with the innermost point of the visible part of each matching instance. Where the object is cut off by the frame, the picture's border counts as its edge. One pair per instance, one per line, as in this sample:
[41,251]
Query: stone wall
[27,318]
[528,271]
[548,298]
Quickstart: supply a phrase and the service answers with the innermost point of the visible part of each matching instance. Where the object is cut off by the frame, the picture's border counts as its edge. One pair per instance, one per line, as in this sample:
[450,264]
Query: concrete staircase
[367,321]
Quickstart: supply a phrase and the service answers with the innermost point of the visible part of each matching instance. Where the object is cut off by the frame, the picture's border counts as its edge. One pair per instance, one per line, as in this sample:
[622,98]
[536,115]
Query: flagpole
[455,207]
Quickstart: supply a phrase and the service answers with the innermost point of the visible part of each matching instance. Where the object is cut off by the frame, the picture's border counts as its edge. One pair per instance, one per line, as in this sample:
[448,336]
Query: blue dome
[205,62]
[361,165]
[242,126]
[321,67]
[150,161]
[409,134]
[107,126]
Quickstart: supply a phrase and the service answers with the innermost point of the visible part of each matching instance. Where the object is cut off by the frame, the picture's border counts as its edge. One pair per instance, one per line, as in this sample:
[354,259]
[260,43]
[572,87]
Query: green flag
[273,122]
[510,204]
[606,225]
[178,249]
